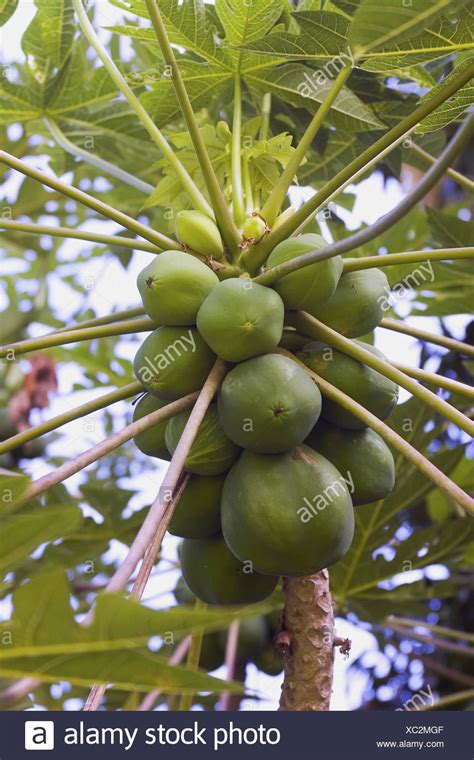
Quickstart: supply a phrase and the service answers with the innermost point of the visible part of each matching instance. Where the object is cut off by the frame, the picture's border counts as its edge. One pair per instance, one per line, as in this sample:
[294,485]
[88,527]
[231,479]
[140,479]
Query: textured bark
[308,631]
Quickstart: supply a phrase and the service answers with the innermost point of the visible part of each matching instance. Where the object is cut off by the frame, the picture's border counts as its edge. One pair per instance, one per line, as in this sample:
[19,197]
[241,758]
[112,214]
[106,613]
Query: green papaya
[268,404]
[357,305]
[212,452]
[240,319]
[182,593]
[362,454]
[365,385]
[269,660]
[200,233]
[152,441]
[287,514]
[254,228]
[173,361]
[173,287]
[311,286]
[216,576]
[198,512]
[252,638]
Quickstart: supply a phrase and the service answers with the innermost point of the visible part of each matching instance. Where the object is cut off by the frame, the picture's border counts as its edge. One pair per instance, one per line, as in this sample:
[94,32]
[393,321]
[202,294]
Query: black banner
[249,735]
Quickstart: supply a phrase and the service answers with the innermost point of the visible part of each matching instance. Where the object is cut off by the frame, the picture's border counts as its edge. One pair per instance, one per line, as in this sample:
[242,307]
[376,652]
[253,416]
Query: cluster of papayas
[276,470]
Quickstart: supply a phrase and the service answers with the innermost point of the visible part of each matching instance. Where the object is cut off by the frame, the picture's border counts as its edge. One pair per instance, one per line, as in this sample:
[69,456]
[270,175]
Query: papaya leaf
[51,646]
[322,37]
[379,23]
[448,231]
[54,31]
[23,533]
[13,486]
[446,36]
[244,21]
[300,86]
[7,9]
[453,108]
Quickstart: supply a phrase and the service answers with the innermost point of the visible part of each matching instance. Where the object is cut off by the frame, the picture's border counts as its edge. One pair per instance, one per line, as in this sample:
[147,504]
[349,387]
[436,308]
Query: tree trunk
[308,632]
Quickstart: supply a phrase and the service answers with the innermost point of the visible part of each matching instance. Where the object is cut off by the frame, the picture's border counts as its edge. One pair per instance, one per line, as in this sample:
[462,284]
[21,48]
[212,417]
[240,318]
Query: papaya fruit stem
[306,211]
[66,232]
[194,655]
[312,326]
[275,200]
[97,161]
[409,257]
[125,327]
[161,241]
[309,659]
[156,135]
[223,217]
[72,414]
[389,435]
[440,340]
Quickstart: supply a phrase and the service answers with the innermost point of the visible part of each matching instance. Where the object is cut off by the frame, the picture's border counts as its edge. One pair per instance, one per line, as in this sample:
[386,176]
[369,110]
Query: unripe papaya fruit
[212,452]
[361,454]
[269,661]
[365,385]
[254,228]
[311,286]
[252,638]
[152,441]
[200,233]
[198,512]
[183,593]
[268,404]
[356,306]
[288,514]
[240,319]
[173,361]
[174,286]
[216,576]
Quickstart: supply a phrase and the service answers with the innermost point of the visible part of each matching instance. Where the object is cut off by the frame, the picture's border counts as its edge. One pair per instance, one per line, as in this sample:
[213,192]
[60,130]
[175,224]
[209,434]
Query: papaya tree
[217,150]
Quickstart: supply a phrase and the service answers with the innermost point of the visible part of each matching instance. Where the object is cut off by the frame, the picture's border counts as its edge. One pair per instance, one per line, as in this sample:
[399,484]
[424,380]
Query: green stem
[117,316]
[249,200]
[162,241]
[364,170]
[289,226]
[439,340]
[104,448]
[439,381]
[99,163]
[266,111]
[450,699]
[194,655]
[127,327]
[275,200]
[450,633]
[73,414]
[65,232]
[318,331]
[465,182]
[410,257]
[236,155]
[225,222]
[385,222]
[156,135]
[438,478]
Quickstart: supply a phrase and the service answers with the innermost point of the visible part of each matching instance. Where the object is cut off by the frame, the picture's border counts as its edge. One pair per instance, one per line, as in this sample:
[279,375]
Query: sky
[112,287]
